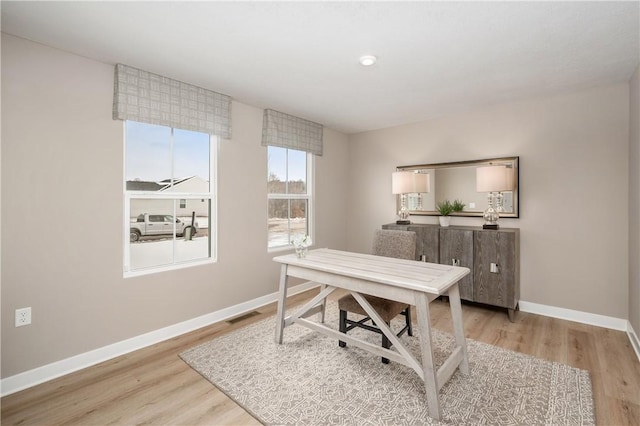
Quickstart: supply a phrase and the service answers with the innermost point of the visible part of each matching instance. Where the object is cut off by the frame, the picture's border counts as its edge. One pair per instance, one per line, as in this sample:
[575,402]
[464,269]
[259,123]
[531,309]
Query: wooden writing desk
[408,281]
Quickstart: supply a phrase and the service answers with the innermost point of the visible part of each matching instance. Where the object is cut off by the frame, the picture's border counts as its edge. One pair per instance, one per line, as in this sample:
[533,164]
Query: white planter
[444,220]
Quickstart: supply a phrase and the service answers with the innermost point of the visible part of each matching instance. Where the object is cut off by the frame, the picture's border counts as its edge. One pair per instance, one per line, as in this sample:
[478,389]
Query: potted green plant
[445,208]
[457,206]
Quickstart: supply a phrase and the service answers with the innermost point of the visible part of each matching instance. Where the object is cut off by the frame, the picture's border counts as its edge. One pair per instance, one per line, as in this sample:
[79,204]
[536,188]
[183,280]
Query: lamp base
[403,222]
[490,226]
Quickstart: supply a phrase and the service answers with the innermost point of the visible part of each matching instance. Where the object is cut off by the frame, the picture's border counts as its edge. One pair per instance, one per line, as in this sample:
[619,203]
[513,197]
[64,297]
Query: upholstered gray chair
[389,243]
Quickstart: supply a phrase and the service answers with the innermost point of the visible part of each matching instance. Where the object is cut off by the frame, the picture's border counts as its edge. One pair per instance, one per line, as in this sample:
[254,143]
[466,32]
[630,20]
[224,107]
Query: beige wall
[634,201]
[573,188]
[60,149]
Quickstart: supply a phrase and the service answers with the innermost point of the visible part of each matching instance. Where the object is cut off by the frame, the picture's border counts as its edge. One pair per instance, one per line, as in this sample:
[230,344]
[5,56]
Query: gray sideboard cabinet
[493,256]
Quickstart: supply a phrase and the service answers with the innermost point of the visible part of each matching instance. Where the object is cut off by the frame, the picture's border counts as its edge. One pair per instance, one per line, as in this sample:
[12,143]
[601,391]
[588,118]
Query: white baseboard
[585,318]
[633,337]
[577,316]
[57,369]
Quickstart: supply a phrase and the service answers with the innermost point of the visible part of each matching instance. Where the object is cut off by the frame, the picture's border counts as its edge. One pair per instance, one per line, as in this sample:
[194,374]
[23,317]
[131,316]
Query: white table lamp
[403,183]
[494,180]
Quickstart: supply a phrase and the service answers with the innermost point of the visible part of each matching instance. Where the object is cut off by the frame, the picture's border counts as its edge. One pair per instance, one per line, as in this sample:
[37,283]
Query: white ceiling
[302,57]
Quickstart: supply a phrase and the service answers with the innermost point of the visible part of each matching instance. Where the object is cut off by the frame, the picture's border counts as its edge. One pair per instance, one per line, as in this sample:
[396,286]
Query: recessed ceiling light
[368,60]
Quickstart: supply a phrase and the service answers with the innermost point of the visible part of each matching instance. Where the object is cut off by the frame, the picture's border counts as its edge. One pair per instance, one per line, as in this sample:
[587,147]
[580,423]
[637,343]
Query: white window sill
[284,248]
[155,270]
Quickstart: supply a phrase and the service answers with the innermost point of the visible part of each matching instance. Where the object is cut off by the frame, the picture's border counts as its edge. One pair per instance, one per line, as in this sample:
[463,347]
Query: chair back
[395,243]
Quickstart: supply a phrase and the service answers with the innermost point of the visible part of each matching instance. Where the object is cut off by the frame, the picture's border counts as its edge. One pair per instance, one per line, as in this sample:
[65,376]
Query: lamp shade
[421,181]
[494,179]
[409,182]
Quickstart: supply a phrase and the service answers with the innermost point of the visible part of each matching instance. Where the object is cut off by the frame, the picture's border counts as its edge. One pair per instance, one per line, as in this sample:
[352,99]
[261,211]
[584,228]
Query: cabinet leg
[512,313]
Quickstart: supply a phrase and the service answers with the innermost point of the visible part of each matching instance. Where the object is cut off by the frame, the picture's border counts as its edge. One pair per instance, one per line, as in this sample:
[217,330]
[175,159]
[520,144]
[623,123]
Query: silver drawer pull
[494,268]
[455,262]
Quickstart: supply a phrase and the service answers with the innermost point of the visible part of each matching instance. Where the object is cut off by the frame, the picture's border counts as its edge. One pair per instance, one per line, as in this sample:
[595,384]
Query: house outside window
[289,195]
[170,199]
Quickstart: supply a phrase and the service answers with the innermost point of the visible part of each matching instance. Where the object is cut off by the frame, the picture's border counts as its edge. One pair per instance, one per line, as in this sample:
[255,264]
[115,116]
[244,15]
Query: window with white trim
[289,195]
[170,198]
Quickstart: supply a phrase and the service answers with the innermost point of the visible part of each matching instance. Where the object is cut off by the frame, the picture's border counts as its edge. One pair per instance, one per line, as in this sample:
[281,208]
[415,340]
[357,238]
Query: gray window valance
[151,98]
[287,131]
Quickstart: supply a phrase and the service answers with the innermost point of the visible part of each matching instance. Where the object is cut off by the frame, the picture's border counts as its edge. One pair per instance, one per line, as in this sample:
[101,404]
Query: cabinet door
[427,242]
[496,285]
[456,248]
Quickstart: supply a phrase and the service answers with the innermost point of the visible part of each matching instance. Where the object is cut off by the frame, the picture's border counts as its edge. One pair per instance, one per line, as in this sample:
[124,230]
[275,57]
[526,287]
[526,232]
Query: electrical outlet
[23,317]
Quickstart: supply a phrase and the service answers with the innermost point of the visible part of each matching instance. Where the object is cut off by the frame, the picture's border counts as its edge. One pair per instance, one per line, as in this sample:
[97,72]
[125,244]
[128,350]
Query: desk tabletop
[409,274]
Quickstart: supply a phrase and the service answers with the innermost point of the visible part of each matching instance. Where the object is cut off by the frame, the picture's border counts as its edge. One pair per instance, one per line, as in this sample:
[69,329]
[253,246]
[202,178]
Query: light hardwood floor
[153,386]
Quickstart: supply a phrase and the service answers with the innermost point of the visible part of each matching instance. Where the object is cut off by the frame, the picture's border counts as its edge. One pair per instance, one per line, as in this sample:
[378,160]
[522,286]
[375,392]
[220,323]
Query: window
[289,195]
[170,200]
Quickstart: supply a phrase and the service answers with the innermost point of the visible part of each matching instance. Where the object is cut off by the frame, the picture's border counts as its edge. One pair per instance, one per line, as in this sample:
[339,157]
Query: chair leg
[408,318]
[385,344]
[343,327]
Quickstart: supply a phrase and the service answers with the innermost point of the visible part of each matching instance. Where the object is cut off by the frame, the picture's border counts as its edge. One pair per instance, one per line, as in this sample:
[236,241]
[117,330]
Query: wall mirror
[457,181]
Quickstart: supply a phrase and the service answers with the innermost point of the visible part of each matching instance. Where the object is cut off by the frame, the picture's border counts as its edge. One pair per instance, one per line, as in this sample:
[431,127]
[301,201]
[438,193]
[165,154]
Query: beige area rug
[309,380]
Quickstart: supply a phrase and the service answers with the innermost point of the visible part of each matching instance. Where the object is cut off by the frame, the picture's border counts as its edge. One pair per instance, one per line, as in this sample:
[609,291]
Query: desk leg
[282,301]
[428,367]
[458,326]
[324,304]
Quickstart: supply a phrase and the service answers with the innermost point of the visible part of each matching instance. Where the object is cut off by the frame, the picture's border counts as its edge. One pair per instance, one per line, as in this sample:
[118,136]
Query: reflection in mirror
[457,181]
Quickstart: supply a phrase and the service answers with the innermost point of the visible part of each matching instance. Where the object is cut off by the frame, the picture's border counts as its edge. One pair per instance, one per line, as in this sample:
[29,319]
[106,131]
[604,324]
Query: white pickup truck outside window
[169,198]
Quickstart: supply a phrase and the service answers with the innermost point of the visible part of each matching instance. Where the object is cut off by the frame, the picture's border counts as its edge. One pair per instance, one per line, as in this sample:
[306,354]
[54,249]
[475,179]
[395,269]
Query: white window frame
[308,196]
[177,196]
